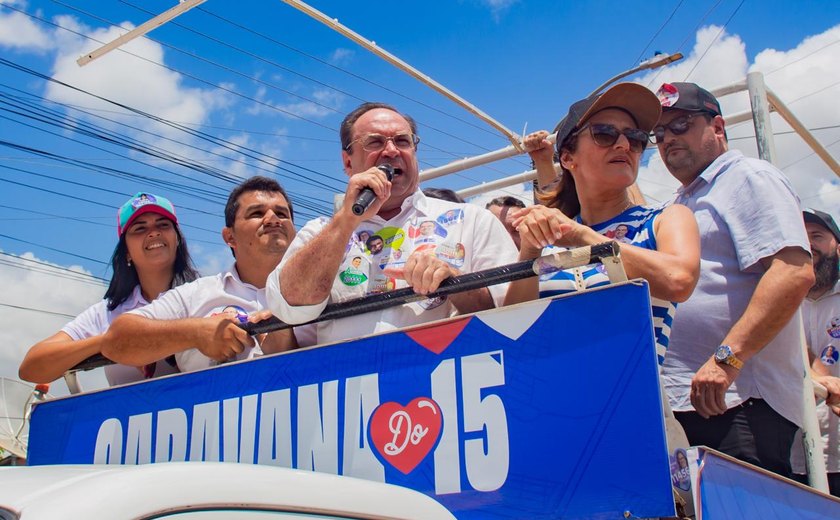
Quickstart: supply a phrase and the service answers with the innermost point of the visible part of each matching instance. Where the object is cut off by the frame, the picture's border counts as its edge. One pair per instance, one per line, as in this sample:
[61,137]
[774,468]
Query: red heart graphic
[404,435]
[437,337]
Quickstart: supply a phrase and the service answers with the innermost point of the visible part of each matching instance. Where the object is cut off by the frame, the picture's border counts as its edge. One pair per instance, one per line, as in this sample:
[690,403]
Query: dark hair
[124,278]
[564,197]
[256,183]
[345,131]
[372,238]
[443,194]
[507,200]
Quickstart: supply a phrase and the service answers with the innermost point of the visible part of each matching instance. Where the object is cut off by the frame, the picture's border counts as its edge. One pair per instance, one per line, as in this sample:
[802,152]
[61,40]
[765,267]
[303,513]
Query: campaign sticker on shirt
[386,238]
[142,200]
[829,355]
[235,312]
[381,283]
[430,303]
[426,231]
[363,235]
[354,273]
[452,254]
[451,217]
[833,329]
[620,233]
[394,264]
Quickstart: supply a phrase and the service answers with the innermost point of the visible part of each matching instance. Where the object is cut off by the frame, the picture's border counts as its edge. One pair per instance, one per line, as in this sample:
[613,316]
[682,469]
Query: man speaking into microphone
[397,238]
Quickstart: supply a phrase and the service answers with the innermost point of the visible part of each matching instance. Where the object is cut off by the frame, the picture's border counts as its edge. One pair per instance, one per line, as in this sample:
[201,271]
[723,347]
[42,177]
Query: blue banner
[544,410]
[729,488]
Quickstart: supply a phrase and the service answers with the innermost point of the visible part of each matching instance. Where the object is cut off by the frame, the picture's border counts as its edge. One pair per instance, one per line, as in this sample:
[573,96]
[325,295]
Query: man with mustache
[309,278]
[820,313]
[733,373]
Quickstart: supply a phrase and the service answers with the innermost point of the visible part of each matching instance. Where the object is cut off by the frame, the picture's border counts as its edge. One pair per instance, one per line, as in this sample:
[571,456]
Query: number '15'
[487,459]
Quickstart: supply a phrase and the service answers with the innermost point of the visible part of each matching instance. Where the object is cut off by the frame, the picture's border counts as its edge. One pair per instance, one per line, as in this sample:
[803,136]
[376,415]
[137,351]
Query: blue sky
[237,74]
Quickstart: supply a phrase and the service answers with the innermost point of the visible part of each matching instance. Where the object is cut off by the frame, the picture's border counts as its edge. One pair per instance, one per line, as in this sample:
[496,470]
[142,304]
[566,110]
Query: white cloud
[325,98]
[498,7]
[133,80]
[807,78]
[342,56]
[28,286]
[18,31]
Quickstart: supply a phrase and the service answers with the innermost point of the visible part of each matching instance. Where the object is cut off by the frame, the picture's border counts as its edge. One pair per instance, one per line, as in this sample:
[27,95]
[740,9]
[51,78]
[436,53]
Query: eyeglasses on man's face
[677,126]
[378,142]
[606,135]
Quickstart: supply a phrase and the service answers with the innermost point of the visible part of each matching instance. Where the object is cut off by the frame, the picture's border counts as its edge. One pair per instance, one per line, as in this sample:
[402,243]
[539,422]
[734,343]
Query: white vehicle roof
[130,492]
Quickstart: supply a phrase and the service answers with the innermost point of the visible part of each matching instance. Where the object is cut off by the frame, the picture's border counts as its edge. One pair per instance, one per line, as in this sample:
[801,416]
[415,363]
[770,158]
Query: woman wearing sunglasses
[600,143]
[150,258]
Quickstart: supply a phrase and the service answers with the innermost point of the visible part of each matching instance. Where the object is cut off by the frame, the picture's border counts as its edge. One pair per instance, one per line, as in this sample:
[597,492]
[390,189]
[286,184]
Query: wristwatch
[724,355]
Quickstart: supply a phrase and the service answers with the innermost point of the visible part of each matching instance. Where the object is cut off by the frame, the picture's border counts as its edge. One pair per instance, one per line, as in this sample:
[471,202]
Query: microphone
[367,196]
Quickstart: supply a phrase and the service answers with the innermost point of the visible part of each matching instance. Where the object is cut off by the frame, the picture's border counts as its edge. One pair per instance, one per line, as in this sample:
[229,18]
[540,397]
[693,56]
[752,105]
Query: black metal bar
[461,283]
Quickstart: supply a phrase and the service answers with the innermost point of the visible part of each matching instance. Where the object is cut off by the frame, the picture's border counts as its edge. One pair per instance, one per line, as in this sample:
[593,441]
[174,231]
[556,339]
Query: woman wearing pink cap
[150,258]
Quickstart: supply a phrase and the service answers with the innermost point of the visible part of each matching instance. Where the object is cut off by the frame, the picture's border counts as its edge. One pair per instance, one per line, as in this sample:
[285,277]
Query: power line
[189,131]
[76,273]
[802,58]
[681,46]
[54,249]
[709,47]
[54,313]
[171,69]
[340,69]
[786,132]
[658,31]
[281,67]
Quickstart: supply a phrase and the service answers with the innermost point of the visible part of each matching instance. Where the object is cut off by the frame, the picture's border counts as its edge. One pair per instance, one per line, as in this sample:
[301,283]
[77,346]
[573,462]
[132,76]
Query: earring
[128,261]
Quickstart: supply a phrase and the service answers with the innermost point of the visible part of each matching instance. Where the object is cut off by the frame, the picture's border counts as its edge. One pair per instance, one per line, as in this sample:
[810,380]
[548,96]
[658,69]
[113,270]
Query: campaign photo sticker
[621,233]
[426,231]
[453,254]
[451,217]
[829,355]
[234,312]
[381,283]
[393,265]
[386,238]
[355,273]
[680,472]
[833,328]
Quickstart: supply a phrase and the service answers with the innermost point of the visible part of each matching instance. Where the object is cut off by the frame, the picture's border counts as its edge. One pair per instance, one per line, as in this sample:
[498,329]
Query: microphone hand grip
[367,195]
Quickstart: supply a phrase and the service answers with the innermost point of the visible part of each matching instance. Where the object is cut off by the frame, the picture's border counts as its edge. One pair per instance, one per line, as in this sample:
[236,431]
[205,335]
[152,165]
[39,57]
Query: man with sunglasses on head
[309,277]
[733,373]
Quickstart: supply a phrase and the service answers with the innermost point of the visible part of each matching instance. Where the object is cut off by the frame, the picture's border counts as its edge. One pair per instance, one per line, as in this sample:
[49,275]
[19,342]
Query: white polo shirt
[96,319]
[466,236]
[205,297]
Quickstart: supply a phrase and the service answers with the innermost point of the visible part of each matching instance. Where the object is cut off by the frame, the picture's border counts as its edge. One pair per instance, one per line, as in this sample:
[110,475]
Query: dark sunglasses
[678,126]
[607,135]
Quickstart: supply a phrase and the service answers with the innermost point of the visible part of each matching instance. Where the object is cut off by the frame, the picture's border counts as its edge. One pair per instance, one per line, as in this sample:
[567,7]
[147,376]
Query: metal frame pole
[154,23]
[811,438]
[803,132]
[333,24]
[761,117]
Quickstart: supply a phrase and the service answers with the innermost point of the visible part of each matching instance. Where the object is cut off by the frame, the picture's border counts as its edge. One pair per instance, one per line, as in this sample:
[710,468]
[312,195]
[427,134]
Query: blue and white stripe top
[633,226]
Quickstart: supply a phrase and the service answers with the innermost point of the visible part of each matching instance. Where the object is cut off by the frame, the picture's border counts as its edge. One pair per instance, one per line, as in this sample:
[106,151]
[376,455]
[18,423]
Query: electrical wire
[21,307]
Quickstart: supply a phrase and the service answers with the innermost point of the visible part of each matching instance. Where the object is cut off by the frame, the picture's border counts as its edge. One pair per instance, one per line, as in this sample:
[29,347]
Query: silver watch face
[722,353]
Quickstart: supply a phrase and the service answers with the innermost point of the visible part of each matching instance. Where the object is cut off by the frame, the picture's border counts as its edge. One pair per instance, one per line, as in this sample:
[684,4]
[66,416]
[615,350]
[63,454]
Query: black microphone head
[388,170]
